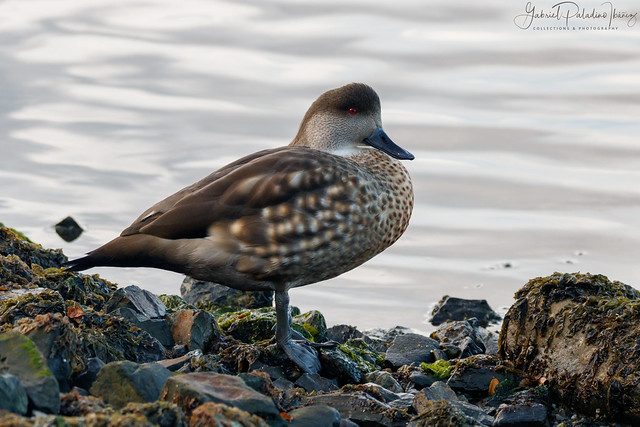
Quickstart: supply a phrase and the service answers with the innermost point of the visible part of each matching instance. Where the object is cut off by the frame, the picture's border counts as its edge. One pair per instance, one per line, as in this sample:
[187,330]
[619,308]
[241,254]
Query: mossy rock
[30,305]
[311,325]
[15,243]
[175,303]
[440,413]
[90,291]
[249,326]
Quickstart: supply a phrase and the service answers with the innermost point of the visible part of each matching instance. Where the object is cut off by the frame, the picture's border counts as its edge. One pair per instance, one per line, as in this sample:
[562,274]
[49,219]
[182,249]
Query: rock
[383,338]
[13,397]
[249,326]
[78,403]
[87,291]
[213,414]
[580,332]
[378,392]
[336,364]
[14,243]
[531,415]
[20,357]
[404,401]
[452,309]
[29,303]
[437,391]
[311,325]
[162,414]
[157,328]
[342,333]
[385,379]
[208,294]
[450,413]
[176,363]
[410,349]
[473,375]
[87,377]
[119,383]
[315,416]
[140,300]
[360,408]
[463,334]
[197,329]
[192,390]
[490,340]
[68,229]
[315,382]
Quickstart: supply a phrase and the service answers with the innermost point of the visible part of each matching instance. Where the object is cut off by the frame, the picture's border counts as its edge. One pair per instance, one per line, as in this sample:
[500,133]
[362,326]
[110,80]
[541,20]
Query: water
[526,141]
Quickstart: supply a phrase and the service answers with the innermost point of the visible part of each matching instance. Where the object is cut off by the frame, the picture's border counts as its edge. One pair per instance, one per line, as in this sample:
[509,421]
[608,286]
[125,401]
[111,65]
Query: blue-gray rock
[437,391]
[359,407]
[421,380]
[119,383]
[20,357]
[531,415]
[87,377]
[193,291]
[379,392]
[13,397]
[385,379]
[463,334]
[410,349]
[315,382]
[197,329]
[157,328]
[404,401]
[452,309]
[283,384]
[315,416]
[140,300]
[343,333]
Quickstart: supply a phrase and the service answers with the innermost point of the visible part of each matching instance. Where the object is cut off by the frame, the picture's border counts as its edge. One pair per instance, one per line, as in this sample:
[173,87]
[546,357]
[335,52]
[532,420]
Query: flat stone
[404,401]
[197,329]
[410,349]
[316,382]
[119,383]
[463,334]
[20,357]
[315,416]
[13,396]
[437,391]
[191,390]
[283,384]
[137,299]
[532,415]
[385,379]
[157,328]
[452,309]
[213,414]
[421,380]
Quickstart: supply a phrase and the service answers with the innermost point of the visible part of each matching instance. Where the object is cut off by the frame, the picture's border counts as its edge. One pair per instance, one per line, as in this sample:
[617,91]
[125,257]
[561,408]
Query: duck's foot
[303,355]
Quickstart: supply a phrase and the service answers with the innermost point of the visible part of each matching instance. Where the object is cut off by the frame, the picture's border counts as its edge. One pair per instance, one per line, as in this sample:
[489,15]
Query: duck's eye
[352,110]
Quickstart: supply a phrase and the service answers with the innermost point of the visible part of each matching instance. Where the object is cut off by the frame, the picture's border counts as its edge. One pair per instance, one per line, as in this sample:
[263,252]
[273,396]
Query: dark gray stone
[20,357]
[532,415]
[404,401]
[315,382]
[335,364]
[157,328]
[385,379]
[343,333]
[410,349]
[315,416]
[283,384]
[378,392]
[452,309]
[13,396]
[68,229]
[140,300]
[358,407]
[87,377]
[193,291]
[421,380]
[437,391]
[462,334]
[119,383]
[473,375]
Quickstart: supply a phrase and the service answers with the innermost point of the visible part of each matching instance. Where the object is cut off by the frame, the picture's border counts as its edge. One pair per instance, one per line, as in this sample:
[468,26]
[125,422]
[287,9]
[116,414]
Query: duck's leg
[300,353]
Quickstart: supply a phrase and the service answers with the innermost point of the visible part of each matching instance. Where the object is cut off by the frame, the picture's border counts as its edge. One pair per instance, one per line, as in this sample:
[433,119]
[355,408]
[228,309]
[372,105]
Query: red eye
[352,110]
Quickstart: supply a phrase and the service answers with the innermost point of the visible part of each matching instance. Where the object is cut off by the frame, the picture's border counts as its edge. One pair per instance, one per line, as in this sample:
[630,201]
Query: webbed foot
[303,355]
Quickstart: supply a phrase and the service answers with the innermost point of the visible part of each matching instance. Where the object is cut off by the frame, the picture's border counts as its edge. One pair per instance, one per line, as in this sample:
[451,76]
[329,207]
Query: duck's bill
[380,140]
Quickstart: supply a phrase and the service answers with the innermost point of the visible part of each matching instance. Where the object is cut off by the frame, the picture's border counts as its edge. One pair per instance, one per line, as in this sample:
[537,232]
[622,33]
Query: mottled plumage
[283,217]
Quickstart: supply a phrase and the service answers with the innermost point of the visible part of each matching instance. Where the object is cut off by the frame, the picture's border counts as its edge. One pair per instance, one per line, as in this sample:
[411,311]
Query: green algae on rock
[15,243]
[582,333]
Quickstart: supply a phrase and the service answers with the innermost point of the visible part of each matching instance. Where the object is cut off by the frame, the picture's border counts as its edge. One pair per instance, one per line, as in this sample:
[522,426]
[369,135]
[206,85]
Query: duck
[285,217]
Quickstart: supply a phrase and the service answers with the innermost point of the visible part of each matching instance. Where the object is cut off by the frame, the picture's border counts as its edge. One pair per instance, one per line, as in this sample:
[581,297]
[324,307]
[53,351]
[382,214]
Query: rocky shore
[77,350]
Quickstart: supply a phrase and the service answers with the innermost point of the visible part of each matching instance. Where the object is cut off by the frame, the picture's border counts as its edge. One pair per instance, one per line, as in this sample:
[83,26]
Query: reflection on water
[526,142]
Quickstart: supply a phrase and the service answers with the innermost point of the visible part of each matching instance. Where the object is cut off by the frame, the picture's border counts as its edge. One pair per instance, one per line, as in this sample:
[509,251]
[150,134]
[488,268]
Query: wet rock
[20,357]
[450,413]
[191,390]
[381,339]
[437,391]
[197,329]
[420,379]
[311,325]
[162,414]
[249,326]
[342,333]
[138,300]
[31,303]
[13,396]
[208,295]
[410,349]
[315,416]
[87,377]
[531,415]
[89,291]
[462,334]
[452,309]
[119,383]
[284,384]
[157,328]
[580,332]
[315,382]
[336,364]
[377,391]
[14,243]
[212,414]
[68,229]
[404,401]
[385,379]
[473,375]
[360,408]
[490,340]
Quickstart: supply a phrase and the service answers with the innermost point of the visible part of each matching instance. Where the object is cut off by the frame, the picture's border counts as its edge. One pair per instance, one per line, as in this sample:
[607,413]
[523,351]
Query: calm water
[526,141]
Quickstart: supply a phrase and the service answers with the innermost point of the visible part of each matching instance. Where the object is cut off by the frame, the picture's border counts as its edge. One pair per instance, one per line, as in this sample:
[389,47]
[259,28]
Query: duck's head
[345,121]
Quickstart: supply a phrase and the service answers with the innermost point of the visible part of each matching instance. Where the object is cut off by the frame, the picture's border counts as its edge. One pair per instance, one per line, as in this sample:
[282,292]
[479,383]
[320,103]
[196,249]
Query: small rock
[14,243]
[209,293]
[161,414]
[119,383]
[437,391]
[68,229]
[191,390]
[358,407]
[342,333]
[176,363]
[283,384]
[213,414]
[474,374]
[385,379]
[315,382]
[532,415]
[311,325]
[137,299]
[463,334]
[404,401]
[410,349]
[20,356]
[446,413]
[197,329]
[315,416]
[13,397]
[87,377]
[451,309]
[378,392]
[157,328]
[421,380]
[336,364]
